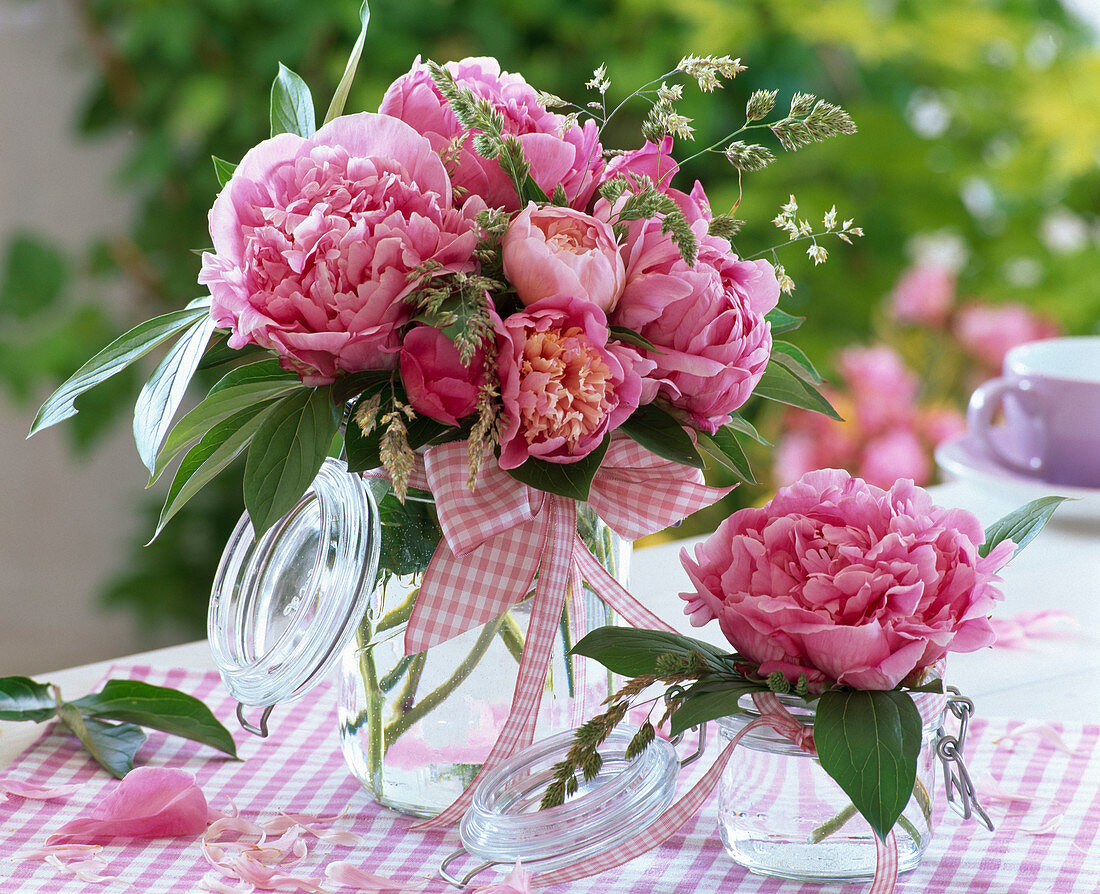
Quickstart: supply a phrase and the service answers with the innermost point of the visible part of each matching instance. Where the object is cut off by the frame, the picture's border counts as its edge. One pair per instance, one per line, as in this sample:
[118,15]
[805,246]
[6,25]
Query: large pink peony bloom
[556,152]
[706,321]
[561,253]
[314,240]
[438,383]
[564,386]
[846,582]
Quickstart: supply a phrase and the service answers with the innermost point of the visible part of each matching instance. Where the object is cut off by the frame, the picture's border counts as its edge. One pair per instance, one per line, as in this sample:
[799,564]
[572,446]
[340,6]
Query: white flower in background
[1064,232]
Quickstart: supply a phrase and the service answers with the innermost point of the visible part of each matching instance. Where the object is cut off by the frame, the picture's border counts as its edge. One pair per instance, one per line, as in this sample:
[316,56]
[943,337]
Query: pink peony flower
[556,152]
[564,386]
[314,240]
[437,382]
[706,321]
[150,802]
[846,582]
[989,331]
[883,389]
[923,294]
[561,253]
[655,161]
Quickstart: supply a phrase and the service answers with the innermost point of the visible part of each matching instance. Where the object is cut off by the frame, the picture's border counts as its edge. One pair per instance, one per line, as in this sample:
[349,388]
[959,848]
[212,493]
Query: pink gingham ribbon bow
[500,535]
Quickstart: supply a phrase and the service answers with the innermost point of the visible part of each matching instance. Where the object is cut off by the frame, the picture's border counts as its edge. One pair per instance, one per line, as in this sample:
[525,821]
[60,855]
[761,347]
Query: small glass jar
[781,814]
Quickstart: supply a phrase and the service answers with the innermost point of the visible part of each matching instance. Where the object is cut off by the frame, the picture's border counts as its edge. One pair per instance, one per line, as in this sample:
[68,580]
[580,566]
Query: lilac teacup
[1050,397]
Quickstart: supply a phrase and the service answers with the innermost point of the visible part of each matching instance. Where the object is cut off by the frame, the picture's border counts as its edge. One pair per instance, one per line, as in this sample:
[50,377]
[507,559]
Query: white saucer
[966,459]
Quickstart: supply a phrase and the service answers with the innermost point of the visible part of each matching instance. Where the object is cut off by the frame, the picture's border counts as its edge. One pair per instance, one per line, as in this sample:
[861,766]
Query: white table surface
[1048,679]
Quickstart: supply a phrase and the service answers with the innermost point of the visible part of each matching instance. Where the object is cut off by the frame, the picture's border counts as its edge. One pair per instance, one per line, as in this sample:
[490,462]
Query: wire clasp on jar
[961,795]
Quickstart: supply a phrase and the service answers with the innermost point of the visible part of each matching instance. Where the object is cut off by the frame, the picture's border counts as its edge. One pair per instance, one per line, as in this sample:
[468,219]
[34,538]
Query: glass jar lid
[282,608]
[504,823]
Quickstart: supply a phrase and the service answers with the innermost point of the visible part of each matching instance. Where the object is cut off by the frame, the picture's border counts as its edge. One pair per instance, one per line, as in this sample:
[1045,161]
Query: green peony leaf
[572,480]
[223,169]
[112,745]
[340,96]
[868,741]
[114,358]
[632,651]
[291,105]
[237,390]
[780,384]
[157,707]
[221,445]
[163,392]
[782,322]
[286,453]
[740,424]
[709,704]
[724,447]
[661,433]
[796,361]
[21,698]
[1022,525]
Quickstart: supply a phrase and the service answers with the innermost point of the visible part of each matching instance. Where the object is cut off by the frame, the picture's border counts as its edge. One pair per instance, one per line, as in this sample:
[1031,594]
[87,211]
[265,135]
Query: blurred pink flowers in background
[902,397]
[887,434]
[923,294]
[989,331]
[846,582]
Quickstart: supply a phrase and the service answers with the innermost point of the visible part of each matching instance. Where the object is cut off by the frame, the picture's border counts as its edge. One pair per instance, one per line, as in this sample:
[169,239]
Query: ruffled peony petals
[846,582]
[150,802]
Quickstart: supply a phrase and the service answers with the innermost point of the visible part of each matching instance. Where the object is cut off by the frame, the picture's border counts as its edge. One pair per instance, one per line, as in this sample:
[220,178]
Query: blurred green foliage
[977,119]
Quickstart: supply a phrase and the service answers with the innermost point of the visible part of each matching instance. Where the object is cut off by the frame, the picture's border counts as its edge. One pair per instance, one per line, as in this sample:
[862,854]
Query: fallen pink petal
[349,876]
[19,789]
[151,802]
[992,792]
[1044,731]
[1016,631]
[213,883]
[87,869]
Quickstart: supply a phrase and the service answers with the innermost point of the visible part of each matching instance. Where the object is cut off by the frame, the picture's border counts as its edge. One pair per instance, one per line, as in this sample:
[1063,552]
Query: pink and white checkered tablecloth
[1048,844]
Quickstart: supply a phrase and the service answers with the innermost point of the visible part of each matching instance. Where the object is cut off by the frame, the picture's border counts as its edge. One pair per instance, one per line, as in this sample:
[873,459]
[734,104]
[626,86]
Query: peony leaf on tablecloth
[113,745]
[21,698]
[161,708]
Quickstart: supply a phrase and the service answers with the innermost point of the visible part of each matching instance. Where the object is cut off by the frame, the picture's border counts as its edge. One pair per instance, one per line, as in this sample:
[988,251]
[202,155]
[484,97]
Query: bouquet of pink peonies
[468,296]
[468,264]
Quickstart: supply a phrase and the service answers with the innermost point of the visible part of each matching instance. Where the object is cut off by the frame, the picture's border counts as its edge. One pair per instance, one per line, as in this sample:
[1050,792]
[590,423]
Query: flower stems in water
[436,697]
